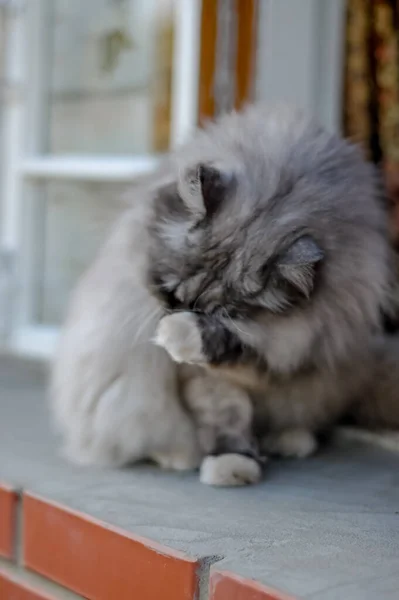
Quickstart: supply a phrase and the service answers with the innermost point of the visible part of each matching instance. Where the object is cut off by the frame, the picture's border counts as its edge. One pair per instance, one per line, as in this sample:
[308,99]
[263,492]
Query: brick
[228,586]
[11,589]
[99,561]
[8,519]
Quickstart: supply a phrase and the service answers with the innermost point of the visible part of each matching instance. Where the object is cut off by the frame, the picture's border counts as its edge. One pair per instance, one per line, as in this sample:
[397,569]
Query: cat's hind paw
[291,443]
[230,470]
[177,462]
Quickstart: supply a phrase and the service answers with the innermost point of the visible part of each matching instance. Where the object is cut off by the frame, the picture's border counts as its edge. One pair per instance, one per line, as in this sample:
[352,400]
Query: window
[94,92]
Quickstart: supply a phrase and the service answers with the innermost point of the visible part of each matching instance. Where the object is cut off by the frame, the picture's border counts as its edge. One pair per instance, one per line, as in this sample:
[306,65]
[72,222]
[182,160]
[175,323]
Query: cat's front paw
[180,336]
[230,470]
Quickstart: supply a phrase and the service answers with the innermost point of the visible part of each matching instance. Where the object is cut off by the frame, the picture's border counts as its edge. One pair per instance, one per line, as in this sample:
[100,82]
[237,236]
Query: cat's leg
[290,443]
[114,419]
[200,340]
[222,411]
[223,416]
[130,433]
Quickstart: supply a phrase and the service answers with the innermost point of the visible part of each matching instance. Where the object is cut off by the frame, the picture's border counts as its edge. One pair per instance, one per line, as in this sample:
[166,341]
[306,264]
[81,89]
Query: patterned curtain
[371,105]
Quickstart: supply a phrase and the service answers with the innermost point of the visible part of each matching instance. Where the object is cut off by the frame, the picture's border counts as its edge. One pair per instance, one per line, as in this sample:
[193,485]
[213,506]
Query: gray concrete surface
[323,528]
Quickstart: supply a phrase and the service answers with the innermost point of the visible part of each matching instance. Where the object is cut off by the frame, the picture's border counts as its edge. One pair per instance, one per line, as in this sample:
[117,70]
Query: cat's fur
[258,258]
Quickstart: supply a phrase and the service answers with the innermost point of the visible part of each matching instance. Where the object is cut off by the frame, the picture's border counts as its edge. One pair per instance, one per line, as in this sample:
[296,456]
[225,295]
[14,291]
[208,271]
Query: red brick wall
[100,562]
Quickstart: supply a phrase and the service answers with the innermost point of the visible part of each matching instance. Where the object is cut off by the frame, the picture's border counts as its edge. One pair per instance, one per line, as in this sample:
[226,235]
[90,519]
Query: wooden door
[235,19]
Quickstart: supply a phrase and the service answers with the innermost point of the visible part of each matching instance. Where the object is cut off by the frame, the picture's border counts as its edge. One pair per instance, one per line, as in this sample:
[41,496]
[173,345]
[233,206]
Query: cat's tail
[383,438]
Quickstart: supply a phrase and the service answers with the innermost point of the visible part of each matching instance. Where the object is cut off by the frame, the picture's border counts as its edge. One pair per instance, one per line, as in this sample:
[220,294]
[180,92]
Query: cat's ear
[204,186]
[297,266]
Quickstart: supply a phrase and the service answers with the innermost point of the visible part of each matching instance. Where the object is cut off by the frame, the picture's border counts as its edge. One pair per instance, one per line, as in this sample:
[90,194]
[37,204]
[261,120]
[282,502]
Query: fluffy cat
[257,261]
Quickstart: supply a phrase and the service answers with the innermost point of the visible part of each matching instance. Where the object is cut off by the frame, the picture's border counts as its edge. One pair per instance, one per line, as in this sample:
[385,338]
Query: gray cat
[257,261]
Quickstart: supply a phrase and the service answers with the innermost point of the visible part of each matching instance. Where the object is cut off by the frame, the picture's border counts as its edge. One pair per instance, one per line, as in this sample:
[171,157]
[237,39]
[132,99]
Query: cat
[233,311]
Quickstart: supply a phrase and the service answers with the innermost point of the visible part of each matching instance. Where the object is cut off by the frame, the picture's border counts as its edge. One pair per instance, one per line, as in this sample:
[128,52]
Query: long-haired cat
[235,304]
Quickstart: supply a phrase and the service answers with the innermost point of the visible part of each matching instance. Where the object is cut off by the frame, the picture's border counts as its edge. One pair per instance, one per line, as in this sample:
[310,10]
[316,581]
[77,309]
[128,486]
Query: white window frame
[24,165]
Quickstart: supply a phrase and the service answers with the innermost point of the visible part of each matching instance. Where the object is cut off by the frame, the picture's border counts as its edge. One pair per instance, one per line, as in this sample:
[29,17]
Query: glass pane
[111,73]
[3,37]
[77,217]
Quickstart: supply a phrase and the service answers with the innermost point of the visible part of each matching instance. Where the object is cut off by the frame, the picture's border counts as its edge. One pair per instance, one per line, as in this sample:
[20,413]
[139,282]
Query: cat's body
[114,394]
[260,264]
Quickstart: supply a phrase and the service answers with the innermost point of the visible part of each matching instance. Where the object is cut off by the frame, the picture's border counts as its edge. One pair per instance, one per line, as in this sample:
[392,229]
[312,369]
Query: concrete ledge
[324,528]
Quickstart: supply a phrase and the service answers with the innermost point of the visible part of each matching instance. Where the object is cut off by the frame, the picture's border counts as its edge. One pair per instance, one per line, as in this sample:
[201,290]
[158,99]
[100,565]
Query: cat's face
[228,259]
[267,213]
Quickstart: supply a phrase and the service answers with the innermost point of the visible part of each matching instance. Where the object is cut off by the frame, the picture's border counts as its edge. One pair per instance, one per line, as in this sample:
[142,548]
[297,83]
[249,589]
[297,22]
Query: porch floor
[323,528]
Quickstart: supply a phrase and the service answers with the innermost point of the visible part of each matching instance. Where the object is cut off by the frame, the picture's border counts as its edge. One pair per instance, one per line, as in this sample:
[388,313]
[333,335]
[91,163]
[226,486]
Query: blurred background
[93,92]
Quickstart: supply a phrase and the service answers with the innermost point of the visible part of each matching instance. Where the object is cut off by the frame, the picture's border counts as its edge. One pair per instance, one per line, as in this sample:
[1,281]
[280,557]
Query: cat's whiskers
[173,311]
[152,315]
[197,300]
[225,312]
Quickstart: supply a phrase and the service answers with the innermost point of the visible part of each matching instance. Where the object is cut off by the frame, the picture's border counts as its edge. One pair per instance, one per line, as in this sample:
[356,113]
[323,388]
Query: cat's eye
[265,273]
[173,297]
[170,299]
